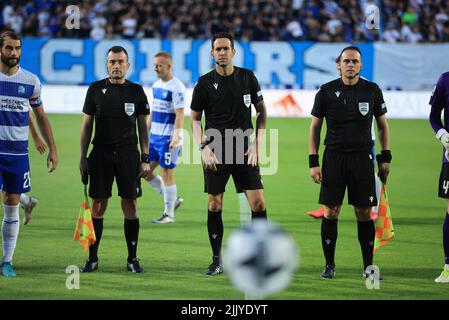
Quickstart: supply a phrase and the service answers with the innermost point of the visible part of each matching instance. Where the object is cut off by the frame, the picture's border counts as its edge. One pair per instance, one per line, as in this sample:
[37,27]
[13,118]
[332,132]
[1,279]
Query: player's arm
[45,129]
[314,144]
[38,143]
[384,158]
[86,135]
[197,129]
[149,123]
[261,121]
[437,102]
[179,124]
[207,155]
[142,126]
[143,133]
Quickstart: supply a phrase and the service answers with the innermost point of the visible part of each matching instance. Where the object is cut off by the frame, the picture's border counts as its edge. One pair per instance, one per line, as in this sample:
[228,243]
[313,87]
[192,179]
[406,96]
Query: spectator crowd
[413,21]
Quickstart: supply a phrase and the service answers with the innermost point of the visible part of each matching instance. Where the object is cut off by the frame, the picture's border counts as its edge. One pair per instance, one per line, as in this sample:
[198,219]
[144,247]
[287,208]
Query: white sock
[10,231]
[169,200]
[157,184]
[24,199]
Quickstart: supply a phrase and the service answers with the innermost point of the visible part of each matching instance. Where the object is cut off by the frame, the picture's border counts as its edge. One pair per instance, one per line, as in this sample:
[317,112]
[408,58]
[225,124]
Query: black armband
[384,156]
[145,157]
[313,161]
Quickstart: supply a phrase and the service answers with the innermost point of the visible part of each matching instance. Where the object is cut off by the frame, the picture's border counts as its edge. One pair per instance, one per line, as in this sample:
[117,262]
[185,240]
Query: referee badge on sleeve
[247,100]
[129,108]
[364,108]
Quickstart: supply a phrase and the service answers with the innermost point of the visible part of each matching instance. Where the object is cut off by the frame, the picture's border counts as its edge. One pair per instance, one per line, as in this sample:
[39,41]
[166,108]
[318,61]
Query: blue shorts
[166,157]
[15,174]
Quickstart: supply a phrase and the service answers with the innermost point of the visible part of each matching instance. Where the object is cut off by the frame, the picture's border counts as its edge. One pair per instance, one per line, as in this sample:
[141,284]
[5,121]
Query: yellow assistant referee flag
[384,223]
[85,232]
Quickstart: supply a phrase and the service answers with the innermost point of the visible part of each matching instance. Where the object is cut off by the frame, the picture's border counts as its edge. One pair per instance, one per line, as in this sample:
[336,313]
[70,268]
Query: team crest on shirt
[247,100]
[129,108]
[21,90]
[364,108]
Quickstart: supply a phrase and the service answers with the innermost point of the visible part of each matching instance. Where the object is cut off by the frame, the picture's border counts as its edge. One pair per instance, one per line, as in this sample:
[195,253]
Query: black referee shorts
[443,186]
[354,170]
[245,177]
[105,164]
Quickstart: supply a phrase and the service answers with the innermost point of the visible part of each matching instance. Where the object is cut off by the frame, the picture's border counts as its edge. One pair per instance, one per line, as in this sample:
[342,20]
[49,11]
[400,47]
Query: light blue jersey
[18,93]
[167,97]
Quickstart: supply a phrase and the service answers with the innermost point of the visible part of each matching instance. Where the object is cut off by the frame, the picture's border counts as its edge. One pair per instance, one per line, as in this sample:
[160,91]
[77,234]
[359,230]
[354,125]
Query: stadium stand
[412,21]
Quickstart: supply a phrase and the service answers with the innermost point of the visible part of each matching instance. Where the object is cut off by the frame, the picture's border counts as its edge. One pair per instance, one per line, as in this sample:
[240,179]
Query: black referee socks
[132,235]
[215,230]
[93,249]
[329,233]
[366,233]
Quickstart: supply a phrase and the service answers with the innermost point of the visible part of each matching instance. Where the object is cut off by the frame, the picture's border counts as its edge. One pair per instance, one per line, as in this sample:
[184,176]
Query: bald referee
[115,105]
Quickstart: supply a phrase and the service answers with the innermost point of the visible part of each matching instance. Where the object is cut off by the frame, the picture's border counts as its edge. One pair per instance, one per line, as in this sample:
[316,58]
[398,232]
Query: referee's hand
[144,170]
[253,156]
[209,159]
[384,170]
[315,173]
[84,170]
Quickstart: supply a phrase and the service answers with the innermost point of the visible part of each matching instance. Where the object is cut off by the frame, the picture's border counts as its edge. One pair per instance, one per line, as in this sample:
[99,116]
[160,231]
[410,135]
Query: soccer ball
[260,258]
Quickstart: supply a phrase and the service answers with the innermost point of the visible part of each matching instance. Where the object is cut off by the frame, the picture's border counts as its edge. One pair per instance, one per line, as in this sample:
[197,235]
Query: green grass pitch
[175,255]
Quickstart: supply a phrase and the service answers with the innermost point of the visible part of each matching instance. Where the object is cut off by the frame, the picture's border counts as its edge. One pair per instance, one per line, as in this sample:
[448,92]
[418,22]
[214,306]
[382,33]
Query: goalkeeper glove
[443,136]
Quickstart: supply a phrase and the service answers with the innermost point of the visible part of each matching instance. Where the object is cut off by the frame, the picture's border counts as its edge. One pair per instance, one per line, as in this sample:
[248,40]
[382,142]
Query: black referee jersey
[349,112]
[115,107]
[226,100]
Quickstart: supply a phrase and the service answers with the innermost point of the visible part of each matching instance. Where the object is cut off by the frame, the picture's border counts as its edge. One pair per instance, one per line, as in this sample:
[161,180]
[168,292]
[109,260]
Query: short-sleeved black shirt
[349,112]
[226,101]
[115,107]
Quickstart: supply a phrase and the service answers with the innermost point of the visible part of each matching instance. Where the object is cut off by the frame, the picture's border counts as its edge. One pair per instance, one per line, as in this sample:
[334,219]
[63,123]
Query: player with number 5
[166,124]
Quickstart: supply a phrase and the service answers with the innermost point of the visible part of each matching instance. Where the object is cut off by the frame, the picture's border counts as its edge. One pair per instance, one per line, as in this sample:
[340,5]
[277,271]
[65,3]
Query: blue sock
[446,239]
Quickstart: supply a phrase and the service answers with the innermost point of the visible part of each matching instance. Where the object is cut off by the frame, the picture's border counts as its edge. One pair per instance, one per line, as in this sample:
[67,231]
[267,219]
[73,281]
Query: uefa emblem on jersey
[21,90]
[247,100]
[129,108]
[364,108]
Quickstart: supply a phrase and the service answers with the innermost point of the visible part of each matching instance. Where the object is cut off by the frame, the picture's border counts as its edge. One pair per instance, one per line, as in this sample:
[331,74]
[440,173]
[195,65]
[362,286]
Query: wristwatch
[145,157]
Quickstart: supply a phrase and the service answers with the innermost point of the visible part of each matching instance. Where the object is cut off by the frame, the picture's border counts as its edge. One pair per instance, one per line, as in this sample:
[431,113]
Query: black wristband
[384,156]
[313,161]
[145,157]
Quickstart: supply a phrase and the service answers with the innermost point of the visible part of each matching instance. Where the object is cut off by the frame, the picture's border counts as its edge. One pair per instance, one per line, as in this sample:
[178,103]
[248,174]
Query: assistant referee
[349,105]
[225,96]
[115,105]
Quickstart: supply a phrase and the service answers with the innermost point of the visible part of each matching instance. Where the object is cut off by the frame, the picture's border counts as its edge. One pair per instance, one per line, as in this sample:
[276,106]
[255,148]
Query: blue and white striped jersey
[167,96]
[18,93]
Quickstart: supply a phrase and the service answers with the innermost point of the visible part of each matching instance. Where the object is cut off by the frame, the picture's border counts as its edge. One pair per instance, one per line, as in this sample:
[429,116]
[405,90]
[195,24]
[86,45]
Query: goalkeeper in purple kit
[439,102]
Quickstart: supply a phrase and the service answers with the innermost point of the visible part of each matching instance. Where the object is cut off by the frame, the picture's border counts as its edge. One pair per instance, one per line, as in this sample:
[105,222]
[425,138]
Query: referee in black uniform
[115,104]
[349,105]
[225,95]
